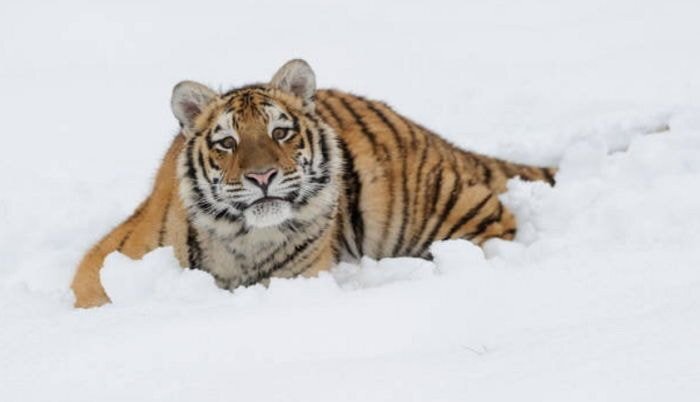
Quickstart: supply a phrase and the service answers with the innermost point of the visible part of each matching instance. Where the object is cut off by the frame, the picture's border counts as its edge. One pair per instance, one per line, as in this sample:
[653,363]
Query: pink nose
[262,179]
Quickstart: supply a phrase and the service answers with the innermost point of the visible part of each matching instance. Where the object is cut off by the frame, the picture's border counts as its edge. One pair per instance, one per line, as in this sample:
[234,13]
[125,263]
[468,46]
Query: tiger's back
[406,187]
[388,186]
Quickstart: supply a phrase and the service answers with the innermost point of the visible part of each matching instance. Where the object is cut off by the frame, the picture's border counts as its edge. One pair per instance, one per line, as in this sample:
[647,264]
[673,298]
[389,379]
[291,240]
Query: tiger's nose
[262,179]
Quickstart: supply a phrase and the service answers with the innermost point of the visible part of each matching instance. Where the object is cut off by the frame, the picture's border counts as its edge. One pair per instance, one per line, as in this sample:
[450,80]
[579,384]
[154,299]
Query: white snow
[597,299]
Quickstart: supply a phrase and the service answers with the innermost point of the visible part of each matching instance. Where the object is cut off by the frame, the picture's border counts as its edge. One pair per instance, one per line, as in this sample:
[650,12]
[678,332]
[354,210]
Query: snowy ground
[597,299]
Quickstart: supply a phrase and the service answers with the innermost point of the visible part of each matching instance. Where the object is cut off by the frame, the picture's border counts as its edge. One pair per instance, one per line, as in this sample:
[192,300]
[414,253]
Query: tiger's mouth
[268,211]
[267,199]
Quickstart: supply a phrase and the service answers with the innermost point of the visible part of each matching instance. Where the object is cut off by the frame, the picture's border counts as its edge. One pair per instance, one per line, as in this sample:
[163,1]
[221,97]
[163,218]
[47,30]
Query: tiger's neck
[238,255]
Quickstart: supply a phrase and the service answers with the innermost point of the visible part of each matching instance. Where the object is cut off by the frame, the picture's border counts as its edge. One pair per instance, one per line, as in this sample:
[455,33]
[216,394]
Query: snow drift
[598,298]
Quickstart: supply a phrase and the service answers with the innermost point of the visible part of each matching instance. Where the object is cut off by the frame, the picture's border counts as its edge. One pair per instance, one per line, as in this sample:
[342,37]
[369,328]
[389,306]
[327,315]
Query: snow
[598,298]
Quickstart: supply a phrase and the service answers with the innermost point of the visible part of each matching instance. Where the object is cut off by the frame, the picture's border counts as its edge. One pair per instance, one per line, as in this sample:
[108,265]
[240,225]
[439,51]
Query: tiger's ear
[296,77]
[188,100]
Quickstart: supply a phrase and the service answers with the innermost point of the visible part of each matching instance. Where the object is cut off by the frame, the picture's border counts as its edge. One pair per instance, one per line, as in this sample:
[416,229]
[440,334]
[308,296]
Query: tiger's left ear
[297,78]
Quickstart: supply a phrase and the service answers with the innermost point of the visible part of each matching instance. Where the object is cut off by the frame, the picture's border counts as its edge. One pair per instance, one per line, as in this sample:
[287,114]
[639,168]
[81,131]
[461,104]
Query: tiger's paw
[90,298]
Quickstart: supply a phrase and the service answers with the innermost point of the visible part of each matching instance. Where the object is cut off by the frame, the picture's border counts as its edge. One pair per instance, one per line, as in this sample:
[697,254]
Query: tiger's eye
[279,133]
[227,143]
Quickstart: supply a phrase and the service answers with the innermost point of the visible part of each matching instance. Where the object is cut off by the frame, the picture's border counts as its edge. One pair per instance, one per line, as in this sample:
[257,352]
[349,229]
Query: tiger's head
[258,155]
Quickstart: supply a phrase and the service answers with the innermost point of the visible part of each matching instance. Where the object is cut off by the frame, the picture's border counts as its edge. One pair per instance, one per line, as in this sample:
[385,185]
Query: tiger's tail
[496,172]
[527,172]
[547,174]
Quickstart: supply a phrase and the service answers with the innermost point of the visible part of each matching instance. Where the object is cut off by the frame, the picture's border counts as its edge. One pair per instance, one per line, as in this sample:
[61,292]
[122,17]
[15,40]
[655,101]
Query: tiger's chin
[268,212]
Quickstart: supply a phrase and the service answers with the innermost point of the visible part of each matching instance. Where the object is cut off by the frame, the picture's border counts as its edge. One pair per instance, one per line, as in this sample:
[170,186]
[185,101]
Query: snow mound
[158,276]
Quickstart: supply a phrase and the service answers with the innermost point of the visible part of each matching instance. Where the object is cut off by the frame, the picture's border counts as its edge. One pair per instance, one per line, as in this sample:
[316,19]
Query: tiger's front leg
[135,237]
[126,238]
[86,286]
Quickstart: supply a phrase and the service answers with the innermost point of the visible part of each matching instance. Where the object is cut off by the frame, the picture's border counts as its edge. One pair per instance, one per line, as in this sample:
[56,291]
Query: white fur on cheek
[268,213]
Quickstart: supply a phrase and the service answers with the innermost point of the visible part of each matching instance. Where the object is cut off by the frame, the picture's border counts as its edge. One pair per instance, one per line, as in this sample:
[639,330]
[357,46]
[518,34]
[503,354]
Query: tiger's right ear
[188,100]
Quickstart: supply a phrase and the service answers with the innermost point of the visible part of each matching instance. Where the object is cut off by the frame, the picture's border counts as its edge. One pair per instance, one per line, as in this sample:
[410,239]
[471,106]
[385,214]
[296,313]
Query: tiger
[282,179]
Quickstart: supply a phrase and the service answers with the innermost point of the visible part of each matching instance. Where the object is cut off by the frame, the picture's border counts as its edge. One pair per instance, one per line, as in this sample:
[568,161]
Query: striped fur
[354,178]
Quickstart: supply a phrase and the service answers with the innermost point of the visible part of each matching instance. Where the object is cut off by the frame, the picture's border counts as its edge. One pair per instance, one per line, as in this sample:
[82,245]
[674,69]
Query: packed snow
[598,297]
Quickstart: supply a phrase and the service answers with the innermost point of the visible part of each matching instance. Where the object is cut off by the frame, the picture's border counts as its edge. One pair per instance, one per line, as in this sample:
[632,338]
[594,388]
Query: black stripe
[429,205]
[548,176]
[319,183]
[435,194]
[371,137]
[244,230]
[271,255]
[210,143]
[301,146]
[308,265]
[200,161]
[336,251]
[323,178]
[131,218]
[346,244]
[417,192]
[295,124]
[486,222]
[298,249]
[283,181]
[213,164]
[200,201]
[191,172]
[392,201]
[384,120]
[447,208]
[474,211]
[353,195]
[126,237]
[411,130]
[226,215]
[506,169]
[253,87]
[406,205]
[325,151]
[310,140]
[486,173]
[194,252]
[163,223]
[246,100]
[332,112]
